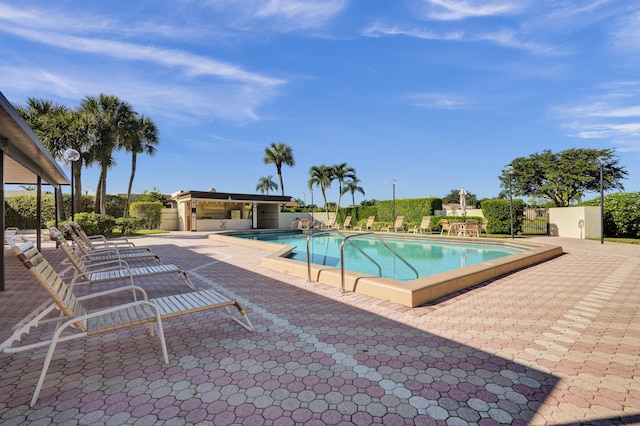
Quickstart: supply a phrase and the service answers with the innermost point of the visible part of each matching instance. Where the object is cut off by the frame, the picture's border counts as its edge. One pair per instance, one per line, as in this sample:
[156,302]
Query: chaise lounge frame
[94,272]
[75,321]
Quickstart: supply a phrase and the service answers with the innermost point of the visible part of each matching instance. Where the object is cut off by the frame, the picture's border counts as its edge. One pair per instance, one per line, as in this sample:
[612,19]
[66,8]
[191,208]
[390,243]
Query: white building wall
[575,222]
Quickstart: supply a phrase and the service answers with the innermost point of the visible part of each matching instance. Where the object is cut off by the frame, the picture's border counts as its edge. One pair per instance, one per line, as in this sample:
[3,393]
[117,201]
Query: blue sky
[437,94]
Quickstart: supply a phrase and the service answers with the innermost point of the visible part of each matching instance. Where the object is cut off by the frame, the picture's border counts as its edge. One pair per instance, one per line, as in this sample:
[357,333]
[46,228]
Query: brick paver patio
[557,343]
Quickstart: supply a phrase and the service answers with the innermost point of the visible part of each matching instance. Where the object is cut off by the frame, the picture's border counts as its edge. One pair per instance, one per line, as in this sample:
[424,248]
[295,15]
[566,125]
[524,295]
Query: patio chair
[470,228]
[446,227]
[396,226]
[424,226]
[108,253]
[117,269]
[483,227]
[100,240]
[368,226]
[303,224]
[76,321]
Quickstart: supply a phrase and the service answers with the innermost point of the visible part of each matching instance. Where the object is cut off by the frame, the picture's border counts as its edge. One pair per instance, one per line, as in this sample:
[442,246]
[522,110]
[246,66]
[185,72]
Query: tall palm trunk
[103,190]
[134,157]
[281,184]
[77,189]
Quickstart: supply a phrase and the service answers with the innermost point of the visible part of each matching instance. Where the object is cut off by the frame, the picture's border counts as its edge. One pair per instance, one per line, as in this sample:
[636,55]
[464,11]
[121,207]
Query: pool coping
[408,293]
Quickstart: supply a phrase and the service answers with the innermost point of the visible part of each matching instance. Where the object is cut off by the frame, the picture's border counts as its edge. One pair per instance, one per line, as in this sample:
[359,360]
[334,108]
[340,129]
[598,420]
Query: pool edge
[408,293]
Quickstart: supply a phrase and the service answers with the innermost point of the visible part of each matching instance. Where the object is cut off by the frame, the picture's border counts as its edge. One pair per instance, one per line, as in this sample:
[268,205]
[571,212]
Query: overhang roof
[229,196]
[26,157]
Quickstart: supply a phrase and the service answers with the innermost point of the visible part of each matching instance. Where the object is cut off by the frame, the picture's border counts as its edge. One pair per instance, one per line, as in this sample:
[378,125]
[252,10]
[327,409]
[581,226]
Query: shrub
[411,208]
[151,213]
[95,224]
[497,213]
[128,225]
[20,210]
[621,214]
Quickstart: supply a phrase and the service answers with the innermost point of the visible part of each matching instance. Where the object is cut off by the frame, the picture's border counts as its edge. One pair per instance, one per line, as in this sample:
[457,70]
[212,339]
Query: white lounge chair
[347,223]
[108,253]
[398,225]
[75,321]
[100,241]
[10,232]
[117,269]
[424,226]
[368,226]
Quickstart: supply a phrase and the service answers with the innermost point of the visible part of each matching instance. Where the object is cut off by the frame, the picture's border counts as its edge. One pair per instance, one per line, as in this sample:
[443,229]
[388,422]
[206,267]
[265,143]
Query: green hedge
[151,213]
[21,210]
[496,212]
[413,209]
[621,214]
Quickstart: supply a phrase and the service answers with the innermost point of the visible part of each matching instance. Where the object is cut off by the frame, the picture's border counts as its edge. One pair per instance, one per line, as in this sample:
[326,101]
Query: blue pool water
[428,257]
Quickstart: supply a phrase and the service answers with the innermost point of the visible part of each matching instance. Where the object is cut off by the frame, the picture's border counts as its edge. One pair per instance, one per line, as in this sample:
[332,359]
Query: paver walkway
[557,343]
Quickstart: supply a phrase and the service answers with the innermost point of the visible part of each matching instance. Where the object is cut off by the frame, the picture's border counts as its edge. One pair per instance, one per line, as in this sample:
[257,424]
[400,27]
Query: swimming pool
[411,293]
[427,257]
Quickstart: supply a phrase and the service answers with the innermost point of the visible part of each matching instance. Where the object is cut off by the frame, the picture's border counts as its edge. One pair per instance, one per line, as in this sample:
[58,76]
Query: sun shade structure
[24,160]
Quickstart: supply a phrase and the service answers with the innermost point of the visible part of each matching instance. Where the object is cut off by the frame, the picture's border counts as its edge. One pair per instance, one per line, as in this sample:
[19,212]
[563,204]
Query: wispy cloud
[612,116]
[628,34]
[511,39]
[438,100]
[193,65]
[506,37]
[281,15]
[378,29]
[455,10]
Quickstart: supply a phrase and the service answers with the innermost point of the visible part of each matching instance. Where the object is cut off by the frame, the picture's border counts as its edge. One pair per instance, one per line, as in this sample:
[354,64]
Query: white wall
[575,222]
[169,220]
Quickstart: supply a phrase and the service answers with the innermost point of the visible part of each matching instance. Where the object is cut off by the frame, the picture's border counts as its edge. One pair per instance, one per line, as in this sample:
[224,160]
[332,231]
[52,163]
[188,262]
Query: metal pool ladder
[347,239]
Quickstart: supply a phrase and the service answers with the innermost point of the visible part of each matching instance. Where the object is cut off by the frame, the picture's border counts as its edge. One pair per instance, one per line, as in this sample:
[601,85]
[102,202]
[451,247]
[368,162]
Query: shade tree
[563,177]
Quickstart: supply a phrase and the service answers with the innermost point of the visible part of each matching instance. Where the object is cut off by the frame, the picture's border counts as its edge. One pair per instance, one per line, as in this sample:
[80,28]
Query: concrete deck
[556,343]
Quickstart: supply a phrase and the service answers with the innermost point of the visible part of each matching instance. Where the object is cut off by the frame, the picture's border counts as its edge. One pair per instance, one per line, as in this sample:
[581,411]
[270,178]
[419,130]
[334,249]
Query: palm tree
[60,128]
[321,176]
[142,139]
[279,154]
[342,172]
[113,121]
[352,187]
[265,184]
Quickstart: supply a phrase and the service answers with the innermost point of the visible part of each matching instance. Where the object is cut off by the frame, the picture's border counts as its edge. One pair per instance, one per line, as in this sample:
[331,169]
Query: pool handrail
[335,231]
[348,239]
[311,235]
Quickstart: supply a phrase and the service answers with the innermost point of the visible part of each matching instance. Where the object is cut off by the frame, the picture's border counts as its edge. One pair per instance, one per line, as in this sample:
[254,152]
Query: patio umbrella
[463,201]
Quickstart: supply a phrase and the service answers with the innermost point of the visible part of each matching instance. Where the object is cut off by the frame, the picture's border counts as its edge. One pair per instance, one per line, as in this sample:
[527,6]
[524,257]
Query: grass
[117,233]
[619,240]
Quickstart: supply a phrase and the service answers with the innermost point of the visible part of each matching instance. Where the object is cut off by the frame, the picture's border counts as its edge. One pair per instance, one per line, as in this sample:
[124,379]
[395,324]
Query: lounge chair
[96,241]
[10,232]
[424,226]
[368,226]
[347,223]
[117,269]
[108,253]
[75,321]
[398,225]
[332,224]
